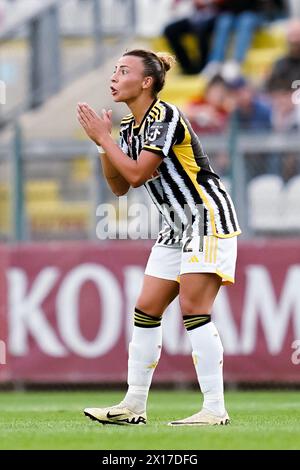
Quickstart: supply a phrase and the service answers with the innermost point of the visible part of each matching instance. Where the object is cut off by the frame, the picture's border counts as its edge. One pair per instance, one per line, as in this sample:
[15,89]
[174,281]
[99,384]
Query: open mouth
[113,91]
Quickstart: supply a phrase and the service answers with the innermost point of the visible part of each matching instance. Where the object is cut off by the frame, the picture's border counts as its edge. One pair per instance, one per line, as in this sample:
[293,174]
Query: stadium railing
[261,172]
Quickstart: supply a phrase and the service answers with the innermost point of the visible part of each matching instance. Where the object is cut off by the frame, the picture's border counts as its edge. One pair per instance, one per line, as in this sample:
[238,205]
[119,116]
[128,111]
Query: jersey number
[187,245]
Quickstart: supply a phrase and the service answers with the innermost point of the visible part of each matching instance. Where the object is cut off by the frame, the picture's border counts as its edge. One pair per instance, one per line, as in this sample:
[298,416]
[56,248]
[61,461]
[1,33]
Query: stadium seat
[292,204]
[266,203]
[59,219]
[47,214]
[42,190]
[5,220]
[259,62]
[161,44]
[180,88]
[81,169]
[35,190]
[272,36]
[4,209]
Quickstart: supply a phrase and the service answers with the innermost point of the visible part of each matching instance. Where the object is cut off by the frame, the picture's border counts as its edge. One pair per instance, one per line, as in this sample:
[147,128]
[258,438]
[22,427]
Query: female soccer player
[195,252]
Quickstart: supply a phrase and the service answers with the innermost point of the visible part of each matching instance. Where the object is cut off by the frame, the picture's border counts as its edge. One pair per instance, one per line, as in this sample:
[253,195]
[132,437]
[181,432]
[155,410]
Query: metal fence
[51,190]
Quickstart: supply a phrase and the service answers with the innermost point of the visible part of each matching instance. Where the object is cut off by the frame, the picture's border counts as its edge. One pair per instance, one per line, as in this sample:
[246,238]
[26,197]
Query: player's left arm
[135,172]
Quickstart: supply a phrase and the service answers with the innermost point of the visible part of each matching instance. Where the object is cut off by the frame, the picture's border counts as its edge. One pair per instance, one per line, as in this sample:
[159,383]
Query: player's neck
[140,106]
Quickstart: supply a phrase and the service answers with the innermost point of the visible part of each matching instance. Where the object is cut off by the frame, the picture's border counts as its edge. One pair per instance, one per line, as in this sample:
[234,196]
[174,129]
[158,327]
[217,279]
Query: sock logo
[194,321]
[144,320]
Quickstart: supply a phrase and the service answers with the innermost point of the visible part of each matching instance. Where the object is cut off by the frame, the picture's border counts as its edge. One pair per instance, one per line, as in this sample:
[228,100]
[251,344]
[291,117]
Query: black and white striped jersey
[185,189]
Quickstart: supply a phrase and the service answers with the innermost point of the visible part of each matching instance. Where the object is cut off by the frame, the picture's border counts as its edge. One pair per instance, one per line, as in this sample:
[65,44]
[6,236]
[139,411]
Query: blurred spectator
[2,12]
[275,9]
[252,112]
[200,24]
[287,69]
[286,114]
[209,114]
[285,119]
[243,17]
[294,7]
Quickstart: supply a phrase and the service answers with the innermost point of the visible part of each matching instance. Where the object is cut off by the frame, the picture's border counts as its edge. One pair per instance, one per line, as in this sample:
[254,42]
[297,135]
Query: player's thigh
[198,292]
[206,263]
[160,284]
[156,295]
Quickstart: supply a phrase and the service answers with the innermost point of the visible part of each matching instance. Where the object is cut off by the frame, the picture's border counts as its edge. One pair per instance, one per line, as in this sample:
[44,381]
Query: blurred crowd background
[237,78]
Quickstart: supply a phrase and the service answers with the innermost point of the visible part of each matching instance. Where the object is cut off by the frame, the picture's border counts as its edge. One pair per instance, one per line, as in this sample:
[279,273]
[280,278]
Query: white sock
[144,354]
[208,361]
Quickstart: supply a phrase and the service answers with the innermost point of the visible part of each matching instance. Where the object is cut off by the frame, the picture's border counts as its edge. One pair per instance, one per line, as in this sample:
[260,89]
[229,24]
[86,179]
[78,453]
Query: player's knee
[148,308]
[189,307]
[186,304]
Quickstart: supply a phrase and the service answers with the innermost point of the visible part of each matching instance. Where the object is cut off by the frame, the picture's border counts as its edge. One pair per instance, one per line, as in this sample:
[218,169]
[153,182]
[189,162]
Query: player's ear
[147,83]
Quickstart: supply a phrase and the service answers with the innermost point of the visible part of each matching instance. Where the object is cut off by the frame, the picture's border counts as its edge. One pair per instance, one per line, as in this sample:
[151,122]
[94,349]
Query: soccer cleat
[202,418]
[115,415]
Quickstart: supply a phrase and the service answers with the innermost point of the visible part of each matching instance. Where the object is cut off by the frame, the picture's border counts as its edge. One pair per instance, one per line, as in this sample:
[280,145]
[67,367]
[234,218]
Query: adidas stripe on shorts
[208,254]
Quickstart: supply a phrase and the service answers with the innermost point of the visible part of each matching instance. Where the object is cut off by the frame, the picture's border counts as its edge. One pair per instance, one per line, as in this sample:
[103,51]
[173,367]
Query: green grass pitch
[54,420]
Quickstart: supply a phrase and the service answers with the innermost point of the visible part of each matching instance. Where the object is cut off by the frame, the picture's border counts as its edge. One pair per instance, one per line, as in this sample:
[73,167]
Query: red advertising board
[66,314]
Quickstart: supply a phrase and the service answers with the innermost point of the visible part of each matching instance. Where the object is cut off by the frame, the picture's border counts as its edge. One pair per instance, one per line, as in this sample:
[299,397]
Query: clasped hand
[96,127]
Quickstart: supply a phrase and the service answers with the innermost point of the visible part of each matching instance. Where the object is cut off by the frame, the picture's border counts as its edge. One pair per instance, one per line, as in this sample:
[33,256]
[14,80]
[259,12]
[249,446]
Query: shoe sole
[222,423]
[117,423]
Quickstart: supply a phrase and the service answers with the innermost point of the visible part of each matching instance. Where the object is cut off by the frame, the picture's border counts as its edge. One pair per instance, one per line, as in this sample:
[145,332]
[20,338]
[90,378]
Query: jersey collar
[138,127]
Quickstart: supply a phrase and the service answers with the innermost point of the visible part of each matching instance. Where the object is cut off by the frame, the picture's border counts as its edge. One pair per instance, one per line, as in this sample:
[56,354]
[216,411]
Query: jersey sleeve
[162,135]
[123,143]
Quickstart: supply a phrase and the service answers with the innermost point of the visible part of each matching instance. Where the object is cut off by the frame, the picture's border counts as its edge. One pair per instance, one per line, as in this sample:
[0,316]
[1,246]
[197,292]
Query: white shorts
[207,254]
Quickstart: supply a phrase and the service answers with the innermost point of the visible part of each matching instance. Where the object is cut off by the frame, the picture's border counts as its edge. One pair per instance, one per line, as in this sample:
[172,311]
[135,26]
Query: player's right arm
[115,180]
[118,185]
